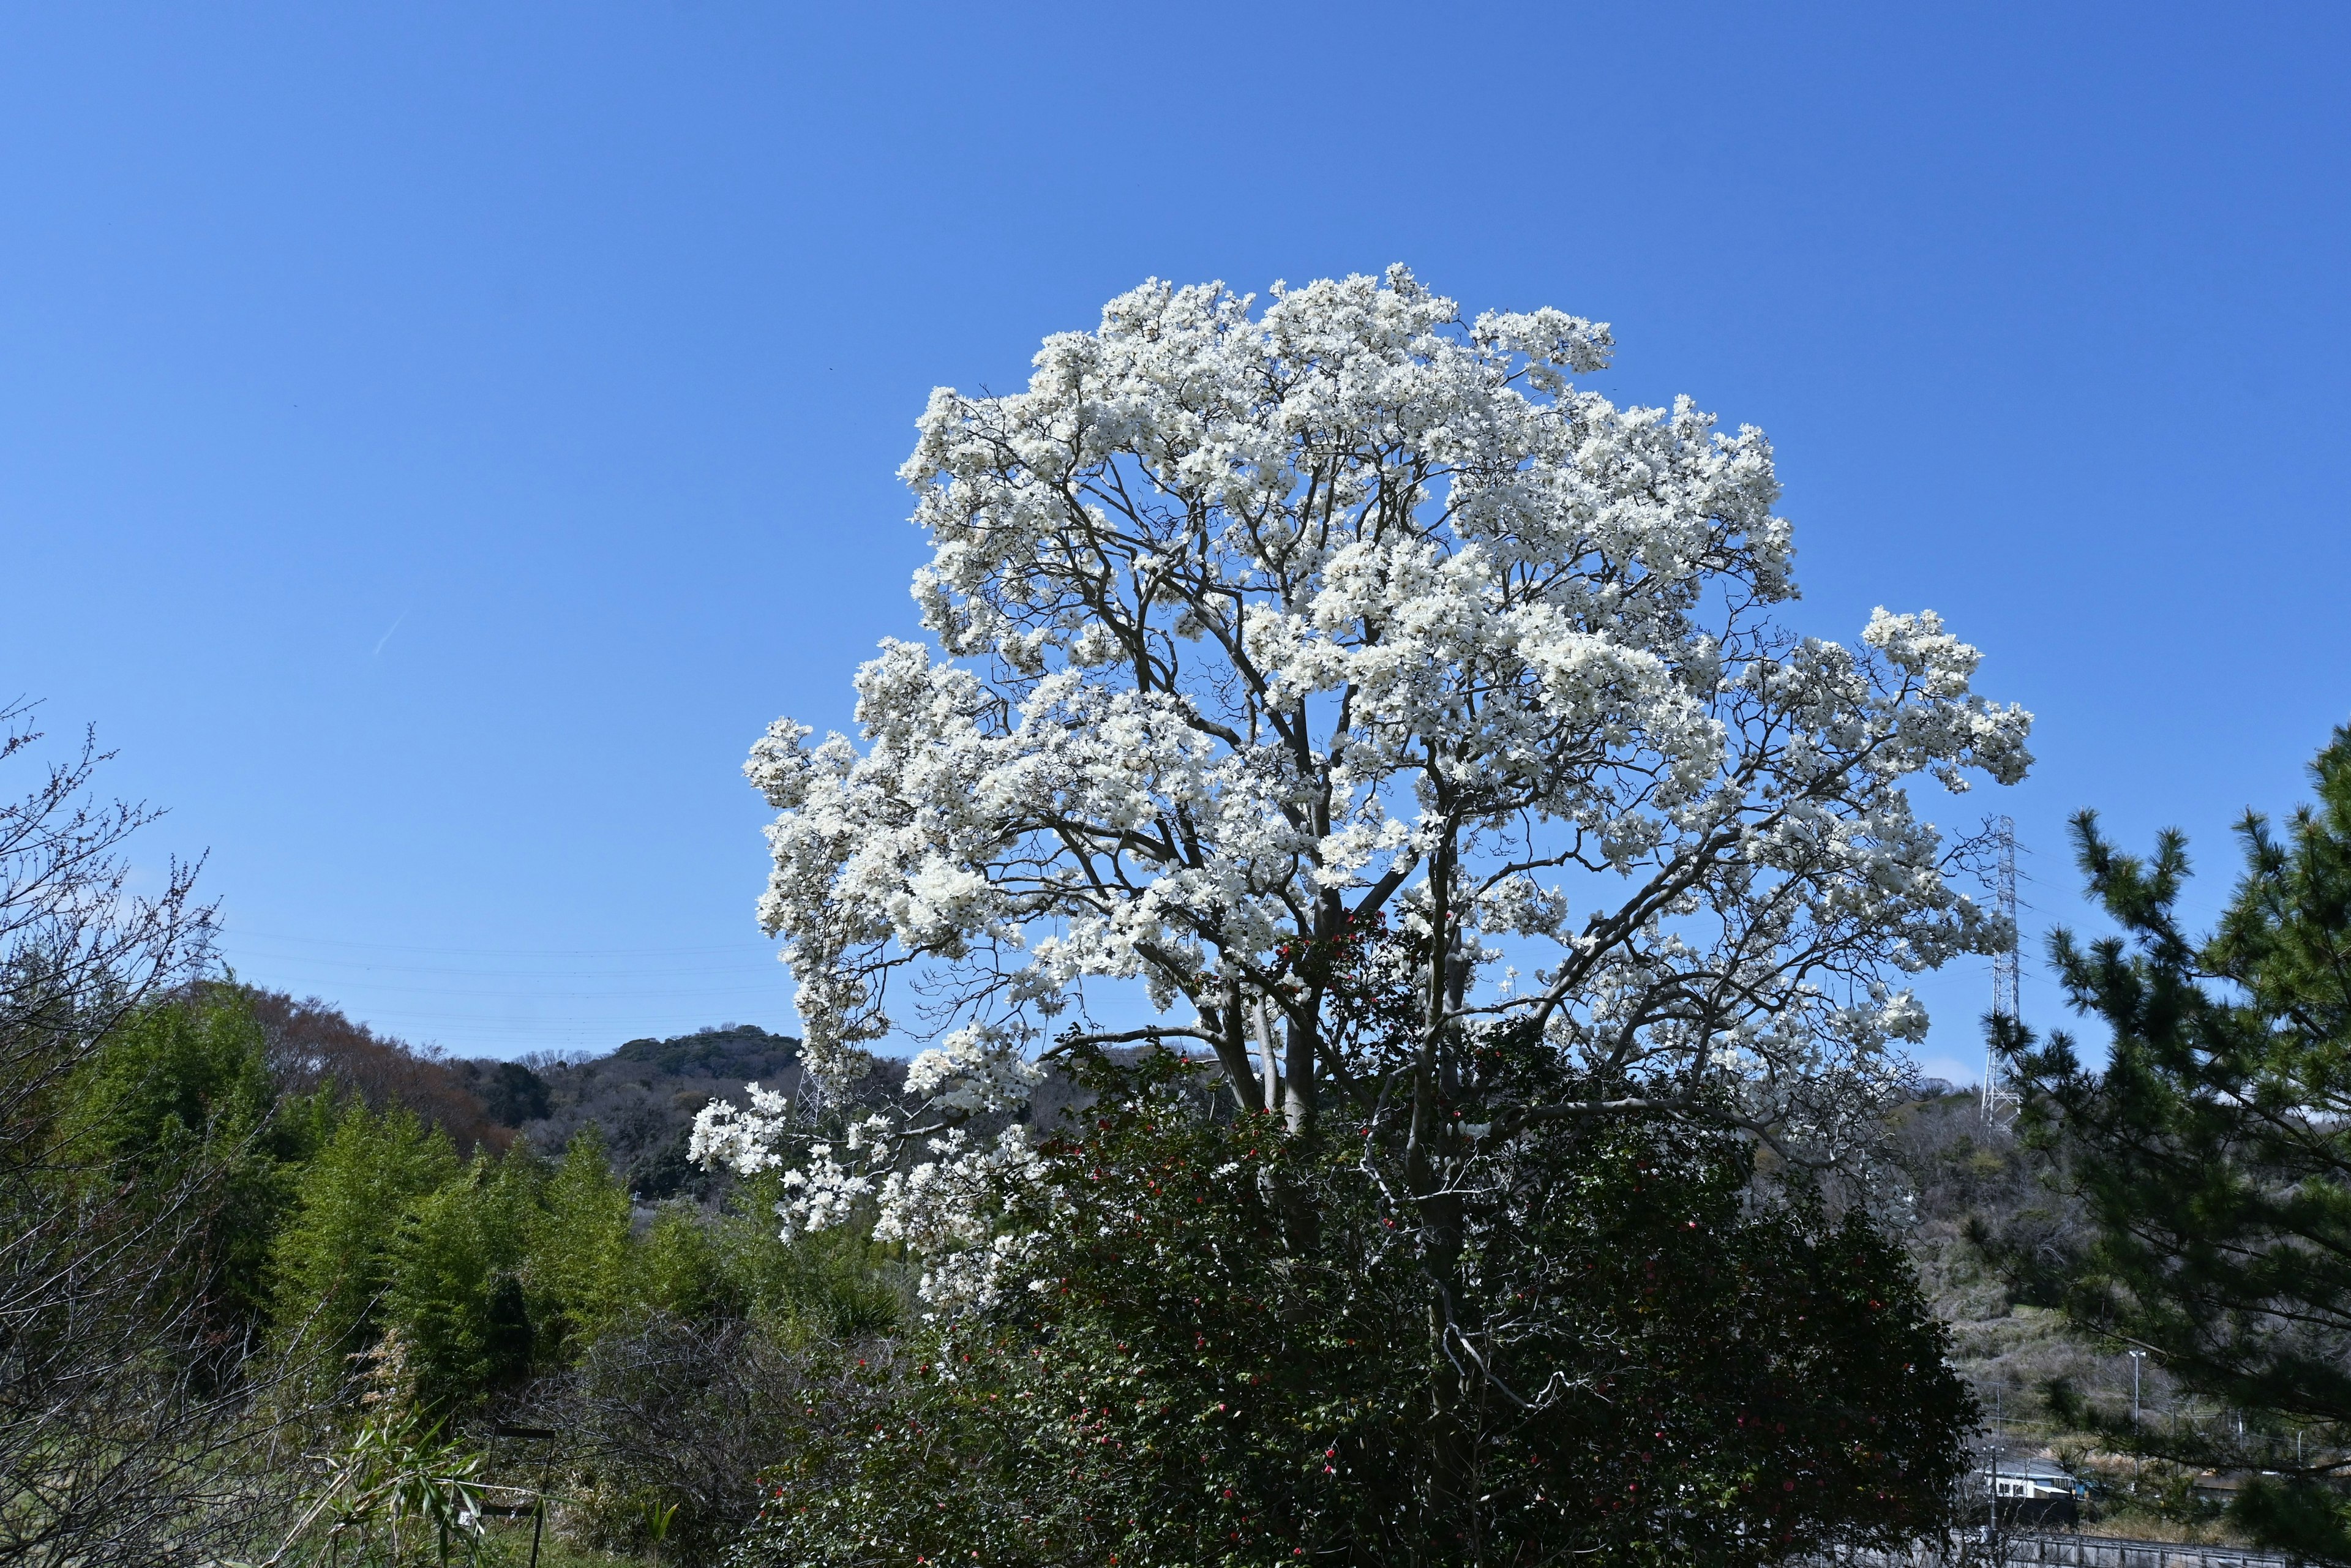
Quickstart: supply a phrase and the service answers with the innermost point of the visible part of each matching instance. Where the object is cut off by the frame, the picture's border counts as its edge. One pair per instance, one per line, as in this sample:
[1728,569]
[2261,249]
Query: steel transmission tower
[2000,1098]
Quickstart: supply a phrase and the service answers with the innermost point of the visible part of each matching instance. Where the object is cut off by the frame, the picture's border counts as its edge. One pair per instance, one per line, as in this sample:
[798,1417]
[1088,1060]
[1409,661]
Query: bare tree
[312,1042]
[667,1431]
[116,1414]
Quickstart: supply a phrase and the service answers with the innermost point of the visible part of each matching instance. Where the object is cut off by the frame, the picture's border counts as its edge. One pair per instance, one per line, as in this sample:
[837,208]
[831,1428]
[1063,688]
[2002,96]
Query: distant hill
[744,1053]
[641,1097]
[644,1096]
[1995,1238]
[313,1044]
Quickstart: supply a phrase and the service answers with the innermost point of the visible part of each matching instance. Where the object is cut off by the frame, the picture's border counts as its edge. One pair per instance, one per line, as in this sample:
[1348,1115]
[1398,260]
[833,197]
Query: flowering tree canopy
[1253,631]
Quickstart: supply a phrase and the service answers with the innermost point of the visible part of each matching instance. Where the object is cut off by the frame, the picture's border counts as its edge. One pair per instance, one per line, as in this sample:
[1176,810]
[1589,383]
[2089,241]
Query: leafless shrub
[683,1416]
[118,1431]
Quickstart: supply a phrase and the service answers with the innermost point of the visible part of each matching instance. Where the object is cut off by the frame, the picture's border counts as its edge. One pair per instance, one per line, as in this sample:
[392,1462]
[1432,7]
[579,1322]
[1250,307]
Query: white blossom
[978,1070]
[1251,623]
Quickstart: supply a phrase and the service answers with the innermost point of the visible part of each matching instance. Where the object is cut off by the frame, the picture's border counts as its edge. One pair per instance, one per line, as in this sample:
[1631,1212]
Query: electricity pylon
[2000,1096]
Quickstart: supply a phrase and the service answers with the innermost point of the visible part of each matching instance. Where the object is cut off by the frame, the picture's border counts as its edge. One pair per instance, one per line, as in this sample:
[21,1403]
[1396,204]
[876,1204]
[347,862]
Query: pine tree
[2214,1153]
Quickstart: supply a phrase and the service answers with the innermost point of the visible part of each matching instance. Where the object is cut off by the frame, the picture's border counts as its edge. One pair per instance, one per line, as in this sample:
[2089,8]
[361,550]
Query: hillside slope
[644,1096]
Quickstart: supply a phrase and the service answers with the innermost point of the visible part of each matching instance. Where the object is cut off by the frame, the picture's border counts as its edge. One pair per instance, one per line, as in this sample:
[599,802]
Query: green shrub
[334,1257]
[175,1109]
[581,1261]
[456,1296]
[1179,1374]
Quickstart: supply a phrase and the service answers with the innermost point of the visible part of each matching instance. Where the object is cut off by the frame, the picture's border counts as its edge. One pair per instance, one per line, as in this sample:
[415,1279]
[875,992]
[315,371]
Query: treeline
[641,1097]
[281,1295]
[270,1281]
[364,1308]
[364,1231]
[294,1271]
[308,1045]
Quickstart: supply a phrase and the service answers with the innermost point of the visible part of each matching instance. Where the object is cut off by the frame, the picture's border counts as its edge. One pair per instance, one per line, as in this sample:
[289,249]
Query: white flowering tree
[1250,632]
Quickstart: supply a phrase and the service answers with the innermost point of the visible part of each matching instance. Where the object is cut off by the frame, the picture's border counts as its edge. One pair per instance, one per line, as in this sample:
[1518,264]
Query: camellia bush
[1186,1382]
[1405,731]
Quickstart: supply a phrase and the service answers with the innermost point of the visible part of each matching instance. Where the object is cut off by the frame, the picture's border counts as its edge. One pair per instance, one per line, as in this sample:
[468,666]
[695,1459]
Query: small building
[2221,1487]
[2034,1491]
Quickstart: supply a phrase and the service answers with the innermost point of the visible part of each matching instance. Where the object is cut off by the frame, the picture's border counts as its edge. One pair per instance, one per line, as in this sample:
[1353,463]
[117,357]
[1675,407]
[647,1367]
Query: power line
[592,971]
[239,934]
[589,998]
[684,994]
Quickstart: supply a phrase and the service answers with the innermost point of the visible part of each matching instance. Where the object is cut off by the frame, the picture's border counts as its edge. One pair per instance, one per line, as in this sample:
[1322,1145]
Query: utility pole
[2000,1097]
[2138,1359]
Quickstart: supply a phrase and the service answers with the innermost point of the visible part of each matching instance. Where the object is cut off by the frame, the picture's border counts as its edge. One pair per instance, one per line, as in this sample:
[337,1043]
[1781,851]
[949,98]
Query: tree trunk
[1298,1080]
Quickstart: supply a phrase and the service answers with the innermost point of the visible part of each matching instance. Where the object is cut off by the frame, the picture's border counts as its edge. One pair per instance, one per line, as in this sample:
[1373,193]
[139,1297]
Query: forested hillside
[1998,1240]
[318,1272]
[640,1097]
[1994,1239]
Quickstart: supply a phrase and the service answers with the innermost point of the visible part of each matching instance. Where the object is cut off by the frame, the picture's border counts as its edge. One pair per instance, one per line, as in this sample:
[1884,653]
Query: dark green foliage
[696,1267]
[1678,1372]
[664,1171]
[178,1111]
[460,1283]
[642,1099]
[738,1053]
[837,1285]
[136,1180]
[577,1232]
[174,1078]
[2213,1153]
[472,1277]
[334,1255]
[514,1095]
[456,1297]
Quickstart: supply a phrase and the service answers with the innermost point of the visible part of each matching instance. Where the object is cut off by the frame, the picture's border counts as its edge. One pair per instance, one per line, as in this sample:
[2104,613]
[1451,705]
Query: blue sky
[434,440]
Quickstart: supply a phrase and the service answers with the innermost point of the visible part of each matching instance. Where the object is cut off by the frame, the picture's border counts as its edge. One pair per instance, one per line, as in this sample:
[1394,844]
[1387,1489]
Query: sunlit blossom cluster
[1248,621]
